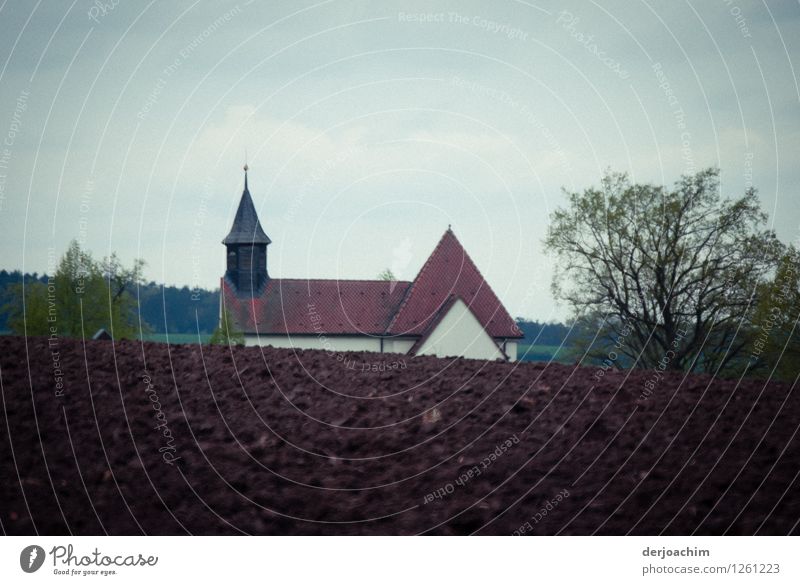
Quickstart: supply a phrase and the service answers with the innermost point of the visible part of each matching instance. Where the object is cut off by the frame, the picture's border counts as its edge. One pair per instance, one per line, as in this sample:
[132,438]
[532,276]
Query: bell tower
[246,247]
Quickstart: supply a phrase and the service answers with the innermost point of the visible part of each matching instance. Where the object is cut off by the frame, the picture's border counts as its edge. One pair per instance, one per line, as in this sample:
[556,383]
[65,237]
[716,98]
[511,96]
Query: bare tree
[669,275]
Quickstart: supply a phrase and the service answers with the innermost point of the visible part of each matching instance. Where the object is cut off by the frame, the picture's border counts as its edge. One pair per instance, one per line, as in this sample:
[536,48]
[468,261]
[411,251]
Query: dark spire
[246,228]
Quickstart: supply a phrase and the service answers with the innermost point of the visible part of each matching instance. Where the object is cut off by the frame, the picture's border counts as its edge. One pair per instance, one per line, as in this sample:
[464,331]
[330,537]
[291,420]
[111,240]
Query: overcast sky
[371,126]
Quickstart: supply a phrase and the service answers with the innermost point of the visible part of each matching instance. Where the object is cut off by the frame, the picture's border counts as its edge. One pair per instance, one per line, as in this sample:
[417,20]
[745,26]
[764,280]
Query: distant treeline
[165,309]
[179,310]
[170,309]
[7,279]
[537,333]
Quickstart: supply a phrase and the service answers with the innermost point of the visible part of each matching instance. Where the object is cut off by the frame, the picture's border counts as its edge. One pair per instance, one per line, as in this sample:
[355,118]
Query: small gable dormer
[246,247]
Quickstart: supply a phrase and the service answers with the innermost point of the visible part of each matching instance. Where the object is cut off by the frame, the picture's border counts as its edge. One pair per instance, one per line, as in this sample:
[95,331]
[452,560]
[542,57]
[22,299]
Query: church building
[448,310]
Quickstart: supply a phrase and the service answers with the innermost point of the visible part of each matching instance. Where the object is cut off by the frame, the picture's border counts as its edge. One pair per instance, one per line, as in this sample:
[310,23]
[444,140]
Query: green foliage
[227,333]
[388,275]
[27,308]
[177,310]
[777,342]
[664,277]
[83,296]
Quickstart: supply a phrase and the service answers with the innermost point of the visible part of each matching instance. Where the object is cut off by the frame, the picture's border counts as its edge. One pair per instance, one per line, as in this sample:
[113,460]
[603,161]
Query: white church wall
[511,350]
[398,344]
[459,333]
[337,343]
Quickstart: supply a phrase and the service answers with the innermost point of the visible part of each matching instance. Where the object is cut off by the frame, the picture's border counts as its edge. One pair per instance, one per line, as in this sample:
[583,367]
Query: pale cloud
[360,127]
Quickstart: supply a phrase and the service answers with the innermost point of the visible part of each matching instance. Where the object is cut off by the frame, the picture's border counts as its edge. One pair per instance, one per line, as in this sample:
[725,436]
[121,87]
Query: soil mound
[130,438]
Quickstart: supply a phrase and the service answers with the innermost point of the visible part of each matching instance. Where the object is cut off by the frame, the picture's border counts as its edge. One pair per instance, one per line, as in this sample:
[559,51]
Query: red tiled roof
[299,306]
[373,307]
[450,271]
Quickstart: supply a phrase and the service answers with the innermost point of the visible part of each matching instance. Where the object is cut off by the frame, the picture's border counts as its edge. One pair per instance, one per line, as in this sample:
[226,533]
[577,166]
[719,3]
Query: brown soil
[282,442]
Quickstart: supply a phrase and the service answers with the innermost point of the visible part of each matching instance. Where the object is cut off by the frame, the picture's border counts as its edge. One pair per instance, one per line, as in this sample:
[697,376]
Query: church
[448,310]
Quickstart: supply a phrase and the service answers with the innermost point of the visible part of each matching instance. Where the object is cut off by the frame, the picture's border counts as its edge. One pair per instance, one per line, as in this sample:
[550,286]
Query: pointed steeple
[246,228]
[246,247]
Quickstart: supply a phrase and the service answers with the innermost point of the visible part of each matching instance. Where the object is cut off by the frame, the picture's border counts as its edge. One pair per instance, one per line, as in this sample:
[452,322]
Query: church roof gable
[374,307]
[449,271]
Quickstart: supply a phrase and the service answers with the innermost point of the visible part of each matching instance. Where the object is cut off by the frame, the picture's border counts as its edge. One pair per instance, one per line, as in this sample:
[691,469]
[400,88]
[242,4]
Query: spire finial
[245,171]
